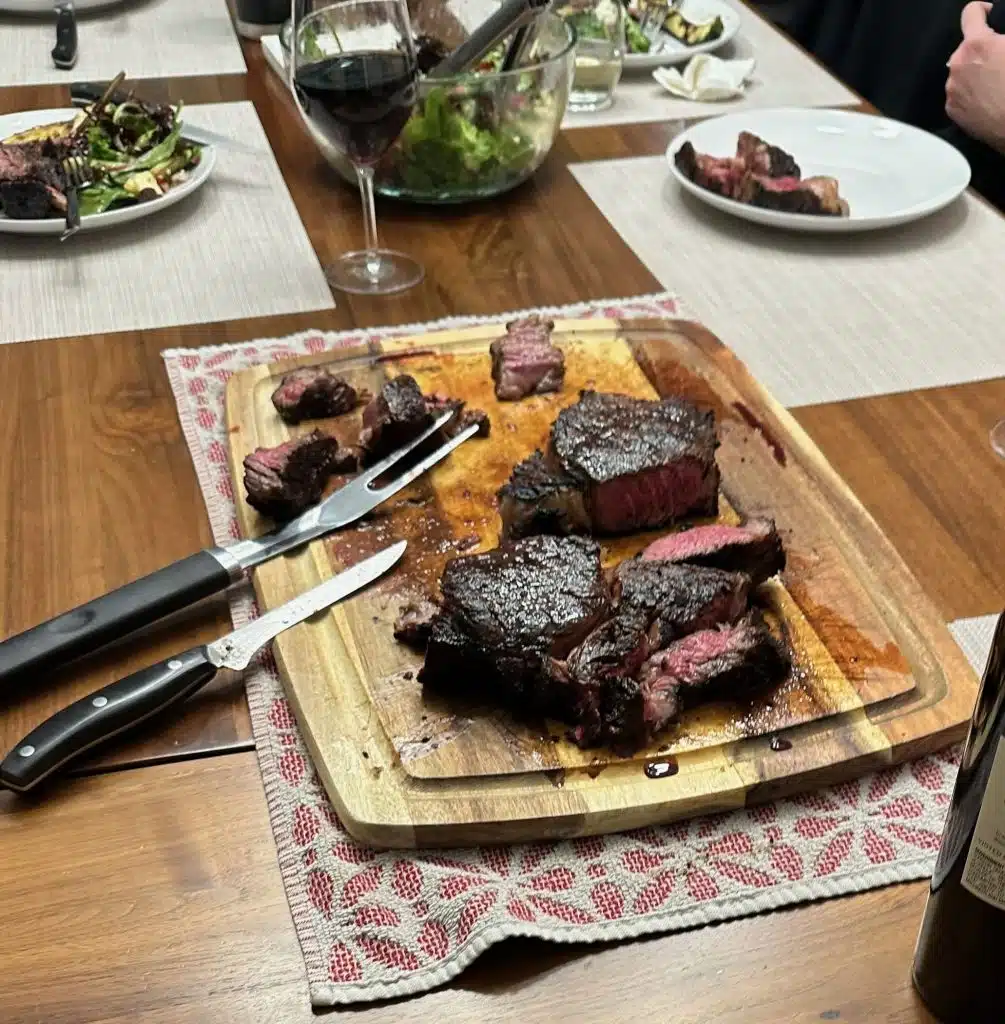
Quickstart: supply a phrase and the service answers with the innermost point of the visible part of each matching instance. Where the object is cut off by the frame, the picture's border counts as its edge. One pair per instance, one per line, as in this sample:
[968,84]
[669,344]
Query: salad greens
[450,142]
[137,153]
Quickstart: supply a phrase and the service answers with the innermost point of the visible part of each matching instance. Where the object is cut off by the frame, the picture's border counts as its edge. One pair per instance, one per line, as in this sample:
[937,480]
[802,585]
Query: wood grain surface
[176,915]
[861,631]
[153,896]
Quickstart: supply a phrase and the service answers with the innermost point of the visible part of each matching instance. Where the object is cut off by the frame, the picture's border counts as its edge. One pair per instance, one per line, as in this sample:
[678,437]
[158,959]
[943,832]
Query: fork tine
[379,468]
[383,493]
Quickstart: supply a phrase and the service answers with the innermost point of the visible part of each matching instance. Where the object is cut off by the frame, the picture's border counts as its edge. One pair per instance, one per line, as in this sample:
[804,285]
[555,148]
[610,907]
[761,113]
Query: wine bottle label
[984,871]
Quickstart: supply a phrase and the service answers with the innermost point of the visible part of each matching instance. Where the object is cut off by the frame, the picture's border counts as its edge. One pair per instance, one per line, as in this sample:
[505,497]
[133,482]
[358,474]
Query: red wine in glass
[354,76]
[358,101]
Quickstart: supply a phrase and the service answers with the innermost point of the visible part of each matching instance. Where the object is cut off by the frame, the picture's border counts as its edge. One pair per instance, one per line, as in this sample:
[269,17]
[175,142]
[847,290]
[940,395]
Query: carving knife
[64,53]
[119,706]
[115,615]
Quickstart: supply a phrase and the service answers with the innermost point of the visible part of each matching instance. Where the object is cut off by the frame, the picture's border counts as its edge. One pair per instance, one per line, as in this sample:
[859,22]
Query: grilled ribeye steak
[760,157]
[283,481]
[728,661]
[615,464]
[313,392]
[640,463]
[507,611]
[657,603]
[524,360]
[32,179]
[393,417]
[540,498]
[753,548]
[762,175]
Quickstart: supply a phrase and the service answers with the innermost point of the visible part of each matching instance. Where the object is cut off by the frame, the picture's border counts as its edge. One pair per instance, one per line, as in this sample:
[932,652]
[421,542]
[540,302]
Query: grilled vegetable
[690,33]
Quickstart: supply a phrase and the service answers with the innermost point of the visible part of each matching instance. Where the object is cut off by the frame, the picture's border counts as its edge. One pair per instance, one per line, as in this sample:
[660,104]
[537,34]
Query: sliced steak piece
[640,463]
[507,612]
[814,196]
[722,663]
[524,360]
[680,598]
[313,393]
[414,624]
[393,417]
[753,548]
[657,602]
[540,498]
[720,175]
[438,403]
[283,481]
[728,661]
[760,157]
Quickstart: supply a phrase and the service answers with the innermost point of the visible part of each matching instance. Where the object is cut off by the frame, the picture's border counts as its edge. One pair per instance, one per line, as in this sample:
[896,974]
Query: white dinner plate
[10,124]
[888,172]
[672,51]
[46,6]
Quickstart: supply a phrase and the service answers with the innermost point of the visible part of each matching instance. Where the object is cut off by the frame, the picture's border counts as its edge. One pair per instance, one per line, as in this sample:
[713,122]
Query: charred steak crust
[506,611]
[761,157]
[393,417]
[640,463]
[540,498]
[753,548]
[524,360]
[313,392]
[283,481]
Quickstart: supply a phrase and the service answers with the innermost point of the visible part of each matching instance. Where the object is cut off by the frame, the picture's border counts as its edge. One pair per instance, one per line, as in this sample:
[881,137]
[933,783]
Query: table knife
[64,53]
[82,94]
[117,614]
[119,706]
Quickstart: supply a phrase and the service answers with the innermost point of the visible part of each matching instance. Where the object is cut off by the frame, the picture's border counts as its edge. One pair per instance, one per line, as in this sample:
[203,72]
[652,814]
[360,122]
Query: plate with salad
[689,28]
[140,157]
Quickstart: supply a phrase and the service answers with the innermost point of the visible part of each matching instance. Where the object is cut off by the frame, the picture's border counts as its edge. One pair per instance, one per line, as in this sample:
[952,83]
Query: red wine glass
[354,75]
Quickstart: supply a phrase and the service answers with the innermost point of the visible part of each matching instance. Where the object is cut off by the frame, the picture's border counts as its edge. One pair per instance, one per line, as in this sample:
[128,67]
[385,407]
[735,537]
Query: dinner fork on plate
[78,177]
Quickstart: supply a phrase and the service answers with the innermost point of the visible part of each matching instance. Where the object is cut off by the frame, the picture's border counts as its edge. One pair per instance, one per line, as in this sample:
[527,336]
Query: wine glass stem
[365,176]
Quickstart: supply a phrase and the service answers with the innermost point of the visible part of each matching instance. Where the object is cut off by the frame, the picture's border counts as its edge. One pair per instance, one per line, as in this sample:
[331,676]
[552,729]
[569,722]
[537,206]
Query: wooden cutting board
[877,677]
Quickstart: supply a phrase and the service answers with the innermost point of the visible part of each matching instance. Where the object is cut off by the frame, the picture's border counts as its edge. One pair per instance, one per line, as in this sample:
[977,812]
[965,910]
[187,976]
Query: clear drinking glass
[998,438]
[600,51]
[354,76]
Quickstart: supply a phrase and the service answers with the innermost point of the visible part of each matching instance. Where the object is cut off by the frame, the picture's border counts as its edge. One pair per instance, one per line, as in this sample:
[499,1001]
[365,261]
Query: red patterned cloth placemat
[376,924]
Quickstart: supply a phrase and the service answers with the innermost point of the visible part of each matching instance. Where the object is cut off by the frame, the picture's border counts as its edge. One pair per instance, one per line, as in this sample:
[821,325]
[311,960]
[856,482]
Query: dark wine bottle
[959,951]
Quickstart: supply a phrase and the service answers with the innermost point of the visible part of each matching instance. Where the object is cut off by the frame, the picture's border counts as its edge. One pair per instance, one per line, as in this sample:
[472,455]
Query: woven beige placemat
[234,249]
[974,637]
[821,318]
[784,76]
[147,38]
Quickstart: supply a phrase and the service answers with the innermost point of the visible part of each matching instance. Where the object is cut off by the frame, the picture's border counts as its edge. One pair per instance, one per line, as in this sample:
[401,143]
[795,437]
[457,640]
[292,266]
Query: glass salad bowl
[481,133]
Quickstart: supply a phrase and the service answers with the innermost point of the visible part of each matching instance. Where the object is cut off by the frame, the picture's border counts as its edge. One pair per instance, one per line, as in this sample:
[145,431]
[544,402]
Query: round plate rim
[647,61]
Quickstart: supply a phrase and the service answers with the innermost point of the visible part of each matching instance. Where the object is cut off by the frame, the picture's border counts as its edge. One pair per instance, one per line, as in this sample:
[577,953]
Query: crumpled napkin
[706,78]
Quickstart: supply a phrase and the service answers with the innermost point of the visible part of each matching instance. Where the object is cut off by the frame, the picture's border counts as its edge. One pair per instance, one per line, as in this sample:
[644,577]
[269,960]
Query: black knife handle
[115,615]
[102,715]
[82,94]
[64,53]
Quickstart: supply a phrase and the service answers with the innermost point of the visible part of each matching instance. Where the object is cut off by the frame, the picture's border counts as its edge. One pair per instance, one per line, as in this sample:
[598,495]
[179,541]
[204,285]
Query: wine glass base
[998,438]
[374,272]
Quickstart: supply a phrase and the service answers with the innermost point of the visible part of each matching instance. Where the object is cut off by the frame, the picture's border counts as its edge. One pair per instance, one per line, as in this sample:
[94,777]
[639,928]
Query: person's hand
[975,89]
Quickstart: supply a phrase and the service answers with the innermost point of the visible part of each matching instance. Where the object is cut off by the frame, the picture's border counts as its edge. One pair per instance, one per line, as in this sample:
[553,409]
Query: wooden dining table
[145,888]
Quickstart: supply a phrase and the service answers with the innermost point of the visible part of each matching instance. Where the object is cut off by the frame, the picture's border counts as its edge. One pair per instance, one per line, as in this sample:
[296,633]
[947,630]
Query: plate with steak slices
[643,562]
[818,170]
